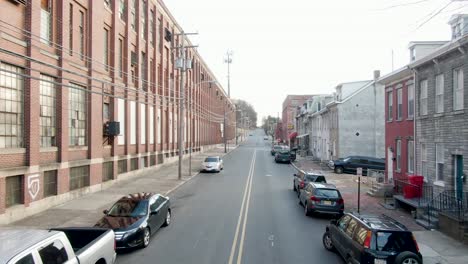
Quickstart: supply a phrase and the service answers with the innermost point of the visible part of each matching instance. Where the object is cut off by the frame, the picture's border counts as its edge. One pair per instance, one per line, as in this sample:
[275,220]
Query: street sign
[359,172]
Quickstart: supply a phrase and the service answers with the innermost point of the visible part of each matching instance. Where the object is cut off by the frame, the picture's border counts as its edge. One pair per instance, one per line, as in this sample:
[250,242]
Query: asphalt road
[248,213]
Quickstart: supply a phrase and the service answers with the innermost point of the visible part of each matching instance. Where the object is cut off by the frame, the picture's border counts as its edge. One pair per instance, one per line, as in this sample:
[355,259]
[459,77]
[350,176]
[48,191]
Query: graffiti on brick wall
[33,186]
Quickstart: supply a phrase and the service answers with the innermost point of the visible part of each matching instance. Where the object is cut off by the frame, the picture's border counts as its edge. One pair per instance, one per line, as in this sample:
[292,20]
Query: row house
[90,93]
[288,117]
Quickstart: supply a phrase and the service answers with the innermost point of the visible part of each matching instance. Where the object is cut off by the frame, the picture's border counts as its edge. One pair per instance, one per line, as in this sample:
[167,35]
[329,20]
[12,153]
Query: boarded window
[134,164]
[50,183]
[14,190]
[122,166]
[79,177]
[107,171]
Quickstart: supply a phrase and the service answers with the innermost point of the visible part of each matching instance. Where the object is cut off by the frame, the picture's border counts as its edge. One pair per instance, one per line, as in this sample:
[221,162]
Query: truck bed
[82,237]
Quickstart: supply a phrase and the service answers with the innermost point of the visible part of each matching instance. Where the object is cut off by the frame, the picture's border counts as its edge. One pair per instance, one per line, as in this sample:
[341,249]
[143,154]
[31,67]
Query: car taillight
[367,241]
[314,199]
[415,242]
[301,184]
[340,201]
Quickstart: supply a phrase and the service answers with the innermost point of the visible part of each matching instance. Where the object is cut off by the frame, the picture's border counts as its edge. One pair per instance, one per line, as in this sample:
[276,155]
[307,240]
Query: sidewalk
[436,247]
[86,210]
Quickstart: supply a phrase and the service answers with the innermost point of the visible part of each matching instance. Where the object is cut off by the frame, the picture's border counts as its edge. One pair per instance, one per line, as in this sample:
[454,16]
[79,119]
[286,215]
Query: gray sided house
[442,117]
[358,118]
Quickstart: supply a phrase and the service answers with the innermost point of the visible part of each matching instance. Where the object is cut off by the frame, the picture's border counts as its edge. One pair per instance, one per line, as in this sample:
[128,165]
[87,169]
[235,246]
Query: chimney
[376,75]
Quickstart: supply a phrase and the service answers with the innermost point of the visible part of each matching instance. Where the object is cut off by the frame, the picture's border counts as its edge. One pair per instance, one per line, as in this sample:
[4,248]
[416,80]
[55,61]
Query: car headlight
[130,232]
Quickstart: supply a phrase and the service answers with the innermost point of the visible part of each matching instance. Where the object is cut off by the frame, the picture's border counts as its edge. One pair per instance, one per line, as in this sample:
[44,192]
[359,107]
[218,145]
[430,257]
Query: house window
[11,106]
[121,57]
[14,190]
[106,49]
[439,93]
[107,171]
[82,35]
[143,20]
[423,100]
[133,14]
[439,162]
[50,183]
[106,111]
[77,115]
[47,100]
[398,155]
[410,156]
[122,166]
[458,89]
[144,71]
[390,106]
[79,177]
[410,101]
[399,104]
[70,31]
[46,22]
[424,160]
[122,10]
[152,25]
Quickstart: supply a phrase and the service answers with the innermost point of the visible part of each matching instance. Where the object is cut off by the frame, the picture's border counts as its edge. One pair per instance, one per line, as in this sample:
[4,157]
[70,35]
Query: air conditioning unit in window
[112,129]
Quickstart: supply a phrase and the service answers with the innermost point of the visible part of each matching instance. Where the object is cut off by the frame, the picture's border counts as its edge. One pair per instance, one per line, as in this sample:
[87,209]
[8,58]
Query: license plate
[327,202]
[380,261]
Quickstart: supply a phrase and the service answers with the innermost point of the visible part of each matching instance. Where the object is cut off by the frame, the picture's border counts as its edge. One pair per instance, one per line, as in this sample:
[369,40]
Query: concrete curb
[195,175]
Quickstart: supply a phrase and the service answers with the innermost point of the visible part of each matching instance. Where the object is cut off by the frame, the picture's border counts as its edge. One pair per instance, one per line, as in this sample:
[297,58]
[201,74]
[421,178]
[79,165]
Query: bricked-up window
[50,183]
[398,155]
[122,10]
[423,98]
[79,177]
[134,164]
[439,162]
[439,93]
[106,49]
[122,166]
[14,190]
[46,21]
[458,103]
[47,100]
[152,28]
[133,14]
[107,171]
[11,106]
[70,30]
[121,57]
[410,156]
[399,104]
[77,115]
[411,101]
[143,20]
[82,35]
[390,106]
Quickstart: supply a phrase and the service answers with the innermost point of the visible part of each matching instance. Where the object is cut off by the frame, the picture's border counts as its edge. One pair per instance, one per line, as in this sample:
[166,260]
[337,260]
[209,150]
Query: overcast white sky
[306,46]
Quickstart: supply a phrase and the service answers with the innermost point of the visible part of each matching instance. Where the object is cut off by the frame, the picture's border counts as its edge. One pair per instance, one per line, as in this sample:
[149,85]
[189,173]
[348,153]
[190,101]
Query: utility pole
[182,64]
[228,60]
[224,127]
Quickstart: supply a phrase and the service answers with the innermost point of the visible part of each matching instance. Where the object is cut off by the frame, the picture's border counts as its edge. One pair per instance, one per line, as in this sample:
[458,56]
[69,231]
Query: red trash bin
[417,180]
[409,192]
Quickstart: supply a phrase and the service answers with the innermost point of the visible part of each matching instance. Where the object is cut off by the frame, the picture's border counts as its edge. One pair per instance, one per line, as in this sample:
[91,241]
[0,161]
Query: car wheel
[327,242]
[339,170]
[168,218]
[306,210]
[146,237]
[407,258]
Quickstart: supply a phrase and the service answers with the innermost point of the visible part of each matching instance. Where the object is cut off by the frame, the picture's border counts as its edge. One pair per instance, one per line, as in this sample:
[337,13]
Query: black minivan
[370,239]
[351,163]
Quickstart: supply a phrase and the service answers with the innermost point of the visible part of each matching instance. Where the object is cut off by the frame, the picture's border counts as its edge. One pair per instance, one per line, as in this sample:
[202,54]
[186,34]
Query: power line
[434,15]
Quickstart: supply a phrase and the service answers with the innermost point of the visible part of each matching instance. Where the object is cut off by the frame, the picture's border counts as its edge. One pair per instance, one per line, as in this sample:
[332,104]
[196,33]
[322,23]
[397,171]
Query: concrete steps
[423,219]
[379,189]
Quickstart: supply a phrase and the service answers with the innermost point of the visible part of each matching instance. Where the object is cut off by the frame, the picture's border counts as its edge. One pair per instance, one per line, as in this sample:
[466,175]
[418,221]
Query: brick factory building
[70,68]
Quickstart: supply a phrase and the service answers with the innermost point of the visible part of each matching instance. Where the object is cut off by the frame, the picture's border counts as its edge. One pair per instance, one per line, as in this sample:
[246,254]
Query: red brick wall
[48,157]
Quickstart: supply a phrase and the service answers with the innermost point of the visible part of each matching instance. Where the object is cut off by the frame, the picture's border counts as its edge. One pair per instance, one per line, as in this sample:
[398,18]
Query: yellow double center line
[243,215]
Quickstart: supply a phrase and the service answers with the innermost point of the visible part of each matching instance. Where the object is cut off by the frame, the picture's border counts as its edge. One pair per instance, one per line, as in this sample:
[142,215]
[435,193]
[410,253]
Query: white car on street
[212,163]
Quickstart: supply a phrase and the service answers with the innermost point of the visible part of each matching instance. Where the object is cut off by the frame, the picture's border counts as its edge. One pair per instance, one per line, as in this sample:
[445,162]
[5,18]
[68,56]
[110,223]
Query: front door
[389,164]
[458,170]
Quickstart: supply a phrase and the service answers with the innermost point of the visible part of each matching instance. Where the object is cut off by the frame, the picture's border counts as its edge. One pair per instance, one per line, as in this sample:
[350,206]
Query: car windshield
[315,178]
[129,208]
[395,241]
[328,193]
[211,159]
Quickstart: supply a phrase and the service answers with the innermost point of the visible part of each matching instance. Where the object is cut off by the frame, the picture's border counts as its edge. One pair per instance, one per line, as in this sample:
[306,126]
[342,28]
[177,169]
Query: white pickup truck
[61,245]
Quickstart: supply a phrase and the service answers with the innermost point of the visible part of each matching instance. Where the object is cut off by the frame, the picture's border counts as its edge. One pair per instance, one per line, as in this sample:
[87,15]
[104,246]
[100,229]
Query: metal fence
[421,195]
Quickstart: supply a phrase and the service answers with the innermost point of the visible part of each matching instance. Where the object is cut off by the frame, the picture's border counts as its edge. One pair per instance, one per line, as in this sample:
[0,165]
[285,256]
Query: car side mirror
[154,212]
[106,212]
[333,222]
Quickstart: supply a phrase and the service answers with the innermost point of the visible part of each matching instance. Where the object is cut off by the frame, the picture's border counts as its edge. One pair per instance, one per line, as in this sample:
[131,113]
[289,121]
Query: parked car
[351,163]
[212,163]
[293,154]
[135,217]
[283,156]
[372,239]
[321,198]
[276,148]
[61,245]
[301,179]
